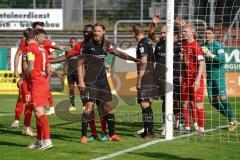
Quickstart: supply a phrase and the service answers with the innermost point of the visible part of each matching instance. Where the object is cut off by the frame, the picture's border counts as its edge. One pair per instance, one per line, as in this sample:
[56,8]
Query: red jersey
[192,55]
[40,57]
[23,48]
[48,45]
[75,50]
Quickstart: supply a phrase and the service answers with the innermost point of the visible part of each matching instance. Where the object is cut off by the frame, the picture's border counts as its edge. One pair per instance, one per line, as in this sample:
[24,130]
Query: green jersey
[215,67]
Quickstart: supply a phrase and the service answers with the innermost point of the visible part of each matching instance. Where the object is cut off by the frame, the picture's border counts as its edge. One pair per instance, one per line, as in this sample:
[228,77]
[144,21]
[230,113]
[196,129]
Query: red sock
[103,125]
[93,127]
[194,114]
[19,109]
[201,117]
[28,115]
[39,130]
[50,100]
[45,126]
[186,117]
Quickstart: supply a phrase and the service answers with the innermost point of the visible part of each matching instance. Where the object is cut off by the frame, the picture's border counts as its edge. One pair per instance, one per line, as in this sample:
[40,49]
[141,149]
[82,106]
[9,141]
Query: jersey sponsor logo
[93,49]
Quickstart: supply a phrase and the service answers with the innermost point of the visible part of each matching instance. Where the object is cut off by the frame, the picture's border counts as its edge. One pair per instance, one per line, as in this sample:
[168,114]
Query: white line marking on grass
[6,114]
[152,143]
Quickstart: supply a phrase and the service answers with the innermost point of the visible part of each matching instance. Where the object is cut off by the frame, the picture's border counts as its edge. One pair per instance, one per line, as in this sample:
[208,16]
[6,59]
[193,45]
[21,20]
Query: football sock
[103,125]
[227,109]
[45,126]
[201,117]
[84,124]
[28,115]
[19,109]
[111,123]
[72,97]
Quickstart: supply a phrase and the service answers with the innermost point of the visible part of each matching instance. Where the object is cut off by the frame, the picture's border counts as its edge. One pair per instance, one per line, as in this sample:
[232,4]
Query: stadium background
[117,16]
[65,134]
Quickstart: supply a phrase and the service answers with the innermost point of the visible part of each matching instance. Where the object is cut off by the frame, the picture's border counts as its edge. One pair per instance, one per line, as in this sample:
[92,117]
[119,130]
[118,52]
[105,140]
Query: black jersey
[94,55]
[160,57]
[145,48]
[72,64]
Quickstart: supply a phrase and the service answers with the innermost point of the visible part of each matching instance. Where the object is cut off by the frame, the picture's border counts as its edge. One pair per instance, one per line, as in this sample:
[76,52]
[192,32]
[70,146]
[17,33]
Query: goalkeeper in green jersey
[216,86]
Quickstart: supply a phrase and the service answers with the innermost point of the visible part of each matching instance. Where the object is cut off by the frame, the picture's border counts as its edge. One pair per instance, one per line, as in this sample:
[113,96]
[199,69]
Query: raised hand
[179,21]
[156,19]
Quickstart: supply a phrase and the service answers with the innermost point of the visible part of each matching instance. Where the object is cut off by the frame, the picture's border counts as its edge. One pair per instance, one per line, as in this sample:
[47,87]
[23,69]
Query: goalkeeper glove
[208,53]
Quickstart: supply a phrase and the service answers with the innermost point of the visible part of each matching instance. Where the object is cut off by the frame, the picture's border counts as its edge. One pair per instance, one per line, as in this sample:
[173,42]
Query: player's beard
[98,39]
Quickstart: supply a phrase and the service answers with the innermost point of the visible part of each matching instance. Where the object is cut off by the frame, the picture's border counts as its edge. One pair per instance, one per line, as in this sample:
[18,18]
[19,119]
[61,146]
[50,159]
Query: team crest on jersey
[30,56]
[53,44]
[220,51]
[141,49]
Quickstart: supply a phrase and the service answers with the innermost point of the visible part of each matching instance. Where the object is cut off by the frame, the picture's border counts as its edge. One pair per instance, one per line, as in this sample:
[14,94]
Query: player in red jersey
[49,46]
[24,89]
[192,93]
[37,67]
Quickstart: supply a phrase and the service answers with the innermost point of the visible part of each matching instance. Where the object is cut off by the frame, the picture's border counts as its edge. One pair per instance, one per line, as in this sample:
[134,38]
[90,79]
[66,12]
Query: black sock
[163,109]
[144,119]
[149,117]
[111,123]
[71,97]
[84,124]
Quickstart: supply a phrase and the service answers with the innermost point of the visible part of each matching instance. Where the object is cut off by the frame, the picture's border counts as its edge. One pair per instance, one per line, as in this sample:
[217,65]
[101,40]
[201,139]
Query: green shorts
[216,86]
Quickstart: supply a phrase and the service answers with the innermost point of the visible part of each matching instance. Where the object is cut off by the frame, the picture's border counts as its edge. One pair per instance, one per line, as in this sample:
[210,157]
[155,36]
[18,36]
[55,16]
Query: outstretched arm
[59,59]
[123,55]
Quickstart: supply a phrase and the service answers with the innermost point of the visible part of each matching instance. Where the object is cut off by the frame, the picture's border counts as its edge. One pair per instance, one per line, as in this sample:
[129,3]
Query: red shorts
[40,91]
[188,92]
[25,91]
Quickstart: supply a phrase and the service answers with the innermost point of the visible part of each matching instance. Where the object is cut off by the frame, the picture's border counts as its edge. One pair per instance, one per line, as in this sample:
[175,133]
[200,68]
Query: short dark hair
[210,28]
[138,28]
[73,38]
[99,25]
[40,31]
[29,33]
[34,24]
[88,26]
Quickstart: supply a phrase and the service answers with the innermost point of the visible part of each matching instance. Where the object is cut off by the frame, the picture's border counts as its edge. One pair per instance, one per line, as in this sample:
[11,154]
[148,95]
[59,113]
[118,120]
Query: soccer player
[94,84]
[49,46]
[216,85]
[37,67]
[145,80]
[24,89]
[192,90]
[160,58]
[72,63]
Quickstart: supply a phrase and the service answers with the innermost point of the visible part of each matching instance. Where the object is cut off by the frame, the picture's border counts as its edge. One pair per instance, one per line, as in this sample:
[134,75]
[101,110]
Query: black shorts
[98,91]
[72,78]
[147,93]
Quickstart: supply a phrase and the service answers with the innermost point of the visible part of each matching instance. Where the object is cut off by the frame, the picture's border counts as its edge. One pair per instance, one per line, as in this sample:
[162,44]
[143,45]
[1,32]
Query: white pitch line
[151,143]
[6,114]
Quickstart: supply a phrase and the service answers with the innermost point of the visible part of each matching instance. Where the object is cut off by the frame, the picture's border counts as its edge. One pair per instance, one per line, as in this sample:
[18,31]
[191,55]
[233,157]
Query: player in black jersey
[93,80]
[145,81]
[160,68]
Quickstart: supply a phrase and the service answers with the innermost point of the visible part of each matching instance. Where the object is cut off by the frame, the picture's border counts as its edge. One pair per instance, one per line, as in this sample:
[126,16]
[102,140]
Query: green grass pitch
[218,144]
